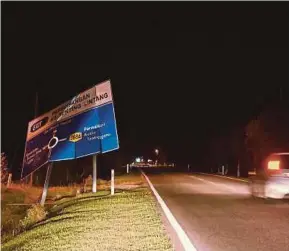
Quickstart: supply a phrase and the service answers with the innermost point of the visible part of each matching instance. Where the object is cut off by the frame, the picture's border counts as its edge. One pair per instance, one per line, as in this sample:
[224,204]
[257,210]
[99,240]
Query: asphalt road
[218,214]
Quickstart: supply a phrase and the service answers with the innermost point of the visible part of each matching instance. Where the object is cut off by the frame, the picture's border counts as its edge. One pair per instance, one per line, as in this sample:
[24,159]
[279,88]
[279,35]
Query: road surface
[218,214]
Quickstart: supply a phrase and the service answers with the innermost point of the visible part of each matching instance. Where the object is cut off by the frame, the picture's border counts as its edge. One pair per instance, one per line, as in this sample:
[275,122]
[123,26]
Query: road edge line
[184,239]
[231,178]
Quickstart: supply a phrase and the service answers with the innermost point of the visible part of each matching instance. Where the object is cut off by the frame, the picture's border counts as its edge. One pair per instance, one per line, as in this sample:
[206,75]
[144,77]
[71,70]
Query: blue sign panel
[88,129]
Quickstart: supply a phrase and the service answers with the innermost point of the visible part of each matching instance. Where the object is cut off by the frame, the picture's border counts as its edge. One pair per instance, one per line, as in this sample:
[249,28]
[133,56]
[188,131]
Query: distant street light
[157,151]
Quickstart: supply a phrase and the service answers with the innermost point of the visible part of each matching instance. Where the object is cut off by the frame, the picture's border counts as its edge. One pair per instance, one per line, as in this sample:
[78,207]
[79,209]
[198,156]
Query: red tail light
[274,165]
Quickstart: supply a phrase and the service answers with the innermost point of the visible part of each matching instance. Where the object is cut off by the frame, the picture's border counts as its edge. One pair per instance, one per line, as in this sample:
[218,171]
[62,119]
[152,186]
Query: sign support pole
[45,188]
[94,174]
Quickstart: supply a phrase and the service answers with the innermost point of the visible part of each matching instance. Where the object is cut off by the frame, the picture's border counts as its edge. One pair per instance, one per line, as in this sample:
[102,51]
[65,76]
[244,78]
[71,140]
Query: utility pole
[35,115]
[36,105]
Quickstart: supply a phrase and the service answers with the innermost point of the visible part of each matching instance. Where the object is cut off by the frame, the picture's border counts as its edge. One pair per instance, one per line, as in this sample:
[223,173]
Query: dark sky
[181,72]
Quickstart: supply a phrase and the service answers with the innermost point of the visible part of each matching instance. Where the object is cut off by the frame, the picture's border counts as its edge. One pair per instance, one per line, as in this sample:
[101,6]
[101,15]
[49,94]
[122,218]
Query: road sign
[85,125]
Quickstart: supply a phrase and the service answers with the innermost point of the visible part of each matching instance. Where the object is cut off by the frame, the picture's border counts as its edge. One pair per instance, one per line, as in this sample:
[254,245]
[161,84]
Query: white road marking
[231,178]
[184,239]
[215,184]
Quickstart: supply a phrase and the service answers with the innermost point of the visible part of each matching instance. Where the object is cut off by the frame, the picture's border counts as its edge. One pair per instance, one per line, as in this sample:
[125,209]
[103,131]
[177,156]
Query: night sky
[181,73]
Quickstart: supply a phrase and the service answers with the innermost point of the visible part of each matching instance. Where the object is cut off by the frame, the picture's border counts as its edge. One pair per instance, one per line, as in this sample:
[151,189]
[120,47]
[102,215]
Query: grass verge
[129,220]
[17,199]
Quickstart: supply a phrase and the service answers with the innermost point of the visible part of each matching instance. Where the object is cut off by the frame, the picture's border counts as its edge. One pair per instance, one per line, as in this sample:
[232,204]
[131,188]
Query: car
[272,179]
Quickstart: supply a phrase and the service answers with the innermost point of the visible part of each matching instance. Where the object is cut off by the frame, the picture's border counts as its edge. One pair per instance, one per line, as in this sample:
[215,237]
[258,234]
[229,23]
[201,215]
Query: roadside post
[223,170]
[94,174]
[127,168]
[9,180]
[238,170]
[46,183]
[188,167]
[112,182]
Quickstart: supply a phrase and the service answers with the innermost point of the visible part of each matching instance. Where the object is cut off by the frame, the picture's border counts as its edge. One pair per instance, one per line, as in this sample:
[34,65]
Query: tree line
[248,145]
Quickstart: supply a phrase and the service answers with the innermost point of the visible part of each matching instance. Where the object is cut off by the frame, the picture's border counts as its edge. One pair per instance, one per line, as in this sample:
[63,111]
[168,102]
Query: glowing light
[274,165]
[137,160]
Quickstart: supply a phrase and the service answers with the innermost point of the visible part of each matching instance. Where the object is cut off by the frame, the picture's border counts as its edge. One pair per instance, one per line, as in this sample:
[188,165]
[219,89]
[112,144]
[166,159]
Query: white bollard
[112,182]
[9,179]
[127,168]
[223,170]
[238,170]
